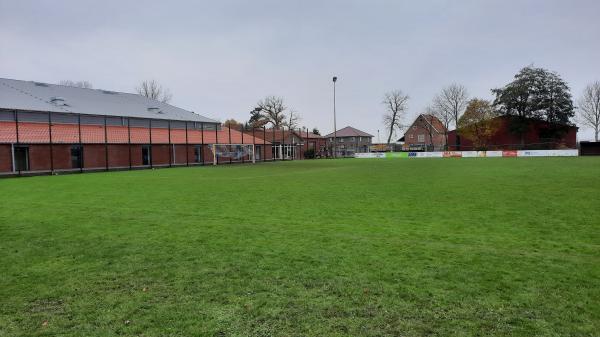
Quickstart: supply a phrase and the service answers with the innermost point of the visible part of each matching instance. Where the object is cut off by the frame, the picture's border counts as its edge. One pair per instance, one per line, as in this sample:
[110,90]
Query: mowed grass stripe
[496,246]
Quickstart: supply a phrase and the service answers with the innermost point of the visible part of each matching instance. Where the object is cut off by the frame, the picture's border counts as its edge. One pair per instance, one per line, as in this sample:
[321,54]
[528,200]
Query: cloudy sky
[220,57]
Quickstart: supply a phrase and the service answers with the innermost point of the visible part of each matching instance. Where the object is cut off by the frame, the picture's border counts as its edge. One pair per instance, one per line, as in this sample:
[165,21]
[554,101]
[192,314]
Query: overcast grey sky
[220,57]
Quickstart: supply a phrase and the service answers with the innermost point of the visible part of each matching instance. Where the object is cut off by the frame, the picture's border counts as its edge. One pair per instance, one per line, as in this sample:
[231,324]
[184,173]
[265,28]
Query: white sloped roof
[36,96]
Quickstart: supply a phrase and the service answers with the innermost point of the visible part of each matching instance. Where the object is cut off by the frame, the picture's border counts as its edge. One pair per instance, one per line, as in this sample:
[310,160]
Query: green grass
[431,247]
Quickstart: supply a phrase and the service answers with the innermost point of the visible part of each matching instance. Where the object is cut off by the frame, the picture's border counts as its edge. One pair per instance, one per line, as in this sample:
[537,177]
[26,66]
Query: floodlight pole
[242,128]
[18,143]
[50,139]
[80,142]
[129,140]
[229,147]
[187,146]
[202,141]
[215,158]
[105,147]
[334,121]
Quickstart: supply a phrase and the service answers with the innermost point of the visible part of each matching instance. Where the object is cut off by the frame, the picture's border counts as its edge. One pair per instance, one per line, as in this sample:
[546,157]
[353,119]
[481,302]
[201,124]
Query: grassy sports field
[430,247]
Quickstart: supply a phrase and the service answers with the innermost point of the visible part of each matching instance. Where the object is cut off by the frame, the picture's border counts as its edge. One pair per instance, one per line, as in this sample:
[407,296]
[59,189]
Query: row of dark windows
[21,156]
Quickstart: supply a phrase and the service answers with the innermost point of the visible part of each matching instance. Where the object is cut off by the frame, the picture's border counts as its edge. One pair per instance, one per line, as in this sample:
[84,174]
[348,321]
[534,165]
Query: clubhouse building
[47,128]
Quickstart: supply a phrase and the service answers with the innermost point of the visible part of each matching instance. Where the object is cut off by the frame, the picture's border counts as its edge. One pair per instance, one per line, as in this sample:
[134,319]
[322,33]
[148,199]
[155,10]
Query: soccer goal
[233,152]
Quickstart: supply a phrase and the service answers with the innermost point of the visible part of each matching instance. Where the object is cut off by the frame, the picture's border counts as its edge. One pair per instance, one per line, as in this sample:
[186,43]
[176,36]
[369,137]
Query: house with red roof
[426,133]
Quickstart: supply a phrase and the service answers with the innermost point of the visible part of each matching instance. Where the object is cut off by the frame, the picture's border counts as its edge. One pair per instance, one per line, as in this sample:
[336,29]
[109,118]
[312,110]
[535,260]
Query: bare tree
[396,104]
[444,116]
[272,110]
[294,119]
[154,90]
[589,108]
[450,103]
[77,84]
[427,120]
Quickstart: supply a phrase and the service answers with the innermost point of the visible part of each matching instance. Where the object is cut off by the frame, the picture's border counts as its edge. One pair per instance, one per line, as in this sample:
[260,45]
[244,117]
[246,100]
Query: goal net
[232,152]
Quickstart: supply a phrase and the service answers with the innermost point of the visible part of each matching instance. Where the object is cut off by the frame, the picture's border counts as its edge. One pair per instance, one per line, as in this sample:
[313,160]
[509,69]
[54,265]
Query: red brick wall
[94,156]
[61,156]
[319,144]
[507,140]
[160,154]
[118,155]
[269,152]
[39,157]
[136,155]
[5,158]
[179,154]
[411,137]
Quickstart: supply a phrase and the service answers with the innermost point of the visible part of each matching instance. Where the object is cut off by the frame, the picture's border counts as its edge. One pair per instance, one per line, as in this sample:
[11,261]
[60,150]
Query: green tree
[535,93]
[478,124]
[257,119]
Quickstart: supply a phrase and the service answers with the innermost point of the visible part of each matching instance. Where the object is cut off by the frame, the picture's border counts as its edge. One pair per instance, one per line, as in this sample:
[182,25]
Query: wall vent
[59,101]
[155,109]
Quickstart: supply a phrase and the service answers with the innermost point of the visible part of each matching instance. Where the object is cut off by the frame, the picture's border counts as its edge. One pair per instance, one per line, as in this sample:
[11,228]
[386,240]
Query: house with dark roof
[426,133]
[47,128]
[348,141]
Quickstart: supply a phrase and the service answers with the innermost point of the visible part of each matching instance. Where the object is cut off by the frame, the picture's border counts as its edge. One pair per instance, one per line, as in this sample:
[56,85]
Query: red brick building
[426,133]
[316,142]
[291,144]
[48,128]
[539,135]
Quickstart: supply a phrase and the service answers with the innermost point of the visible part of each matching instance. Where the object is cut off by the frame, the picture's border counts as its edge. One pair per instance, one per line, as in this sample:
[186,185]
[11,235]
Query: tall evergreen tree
[535,93]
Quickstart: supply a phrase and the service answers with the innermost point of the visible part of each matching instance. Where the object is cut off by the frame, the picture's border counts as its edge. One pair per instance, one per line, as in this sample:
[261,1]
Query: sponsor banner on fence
[471,154]
[452,154]
[425,154]
[493,153]
[548,153]
[370,155]
[396,154]
[510,153]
